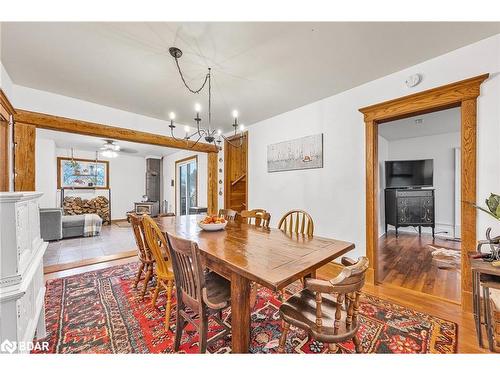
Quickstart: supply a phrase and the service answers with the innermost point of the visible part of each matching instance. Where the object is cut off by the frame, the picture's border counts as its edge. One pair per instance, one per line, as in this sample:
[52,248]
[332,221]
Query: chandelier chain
[207,77]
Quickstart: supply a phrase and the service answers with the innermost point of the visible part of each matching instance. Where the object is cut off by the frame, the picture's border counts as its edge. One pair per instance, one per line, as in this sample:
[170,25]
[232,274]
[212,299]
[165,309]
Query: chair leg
[168,307]
[179,327]
[139,274]
[286,328]
[333,348]
[357,344]
[149,273]
[203,331]
[156,292]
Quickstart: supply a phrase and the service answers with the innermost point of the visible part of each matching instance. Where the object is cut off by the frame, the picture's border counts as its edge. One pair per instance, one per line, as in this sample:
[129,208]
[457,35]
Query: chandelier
[209,134]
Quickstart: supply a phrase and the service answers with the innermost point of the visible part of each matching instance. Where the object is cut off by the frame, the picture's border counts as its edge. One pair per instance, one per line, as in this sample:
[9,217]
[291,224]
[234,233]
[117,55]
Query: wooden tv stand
[410,208]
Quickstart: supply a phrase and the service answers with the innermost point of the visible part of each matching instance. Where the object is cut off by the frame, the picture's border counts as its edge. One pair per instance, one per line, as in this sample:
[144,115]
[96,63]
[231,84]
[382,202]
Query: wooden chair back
[298,222]
[143,251]
[228,214]
[188,270]
[347,287]
[158,245]
[258,217]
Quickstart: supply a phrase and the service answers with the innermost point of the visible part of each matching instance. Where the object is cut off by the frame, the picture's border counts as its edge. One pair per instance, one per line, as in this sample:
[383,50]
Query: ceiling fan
[110,149]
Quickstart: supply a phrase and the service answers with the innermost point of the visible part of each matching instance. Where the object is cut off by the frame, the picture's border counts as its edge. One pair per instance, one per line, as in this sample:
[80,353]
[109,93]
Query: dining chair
[298,222]
[258,217]
[318,308]
[164,270]
[203,293]
[228,214]
[146,259]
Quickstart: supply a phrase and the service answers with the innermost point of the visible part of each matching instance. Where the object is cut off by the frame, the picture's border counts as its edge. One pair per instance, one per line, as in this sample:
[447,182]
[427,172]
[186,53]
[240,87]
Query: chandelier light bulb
[235,113]
[242,127]
[171,116]
[197,107]
[219,132]
[186,129]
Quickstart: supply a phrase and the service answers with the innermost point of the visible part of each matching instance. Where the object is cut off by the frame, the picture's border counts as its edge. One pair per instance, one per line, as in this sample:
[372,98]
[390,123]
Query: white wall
[335,194]
[441,148]
[126,177]
[46,171]
[169,174]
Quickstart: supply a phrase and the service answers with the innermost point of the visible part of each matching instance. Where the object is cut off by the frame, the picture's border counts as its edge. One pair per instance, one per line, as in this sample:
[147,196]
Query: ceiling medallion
[209,134]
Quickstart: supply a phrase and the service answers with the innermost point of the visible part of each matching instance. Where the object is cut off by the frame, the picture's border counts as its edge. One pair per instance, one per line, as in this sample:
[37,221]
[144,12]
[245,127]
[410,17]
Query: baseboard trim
[88,262]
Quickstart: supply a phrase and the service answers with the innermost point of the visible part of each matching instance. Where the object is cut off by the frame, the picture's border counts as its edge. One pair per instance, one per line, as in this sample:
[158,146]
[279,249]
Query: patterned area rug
[99,312]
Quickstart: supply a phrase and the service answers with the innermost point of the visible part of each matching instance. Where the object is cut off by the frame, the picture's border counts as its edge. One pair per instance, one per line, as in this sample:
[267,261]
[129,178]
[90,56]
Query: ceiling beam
[51,122]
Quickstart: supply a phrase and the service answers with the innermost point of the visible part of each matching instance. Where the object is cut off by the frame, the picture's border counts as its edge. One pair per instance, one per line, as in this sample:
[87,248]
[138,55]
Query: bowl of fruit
[212,223]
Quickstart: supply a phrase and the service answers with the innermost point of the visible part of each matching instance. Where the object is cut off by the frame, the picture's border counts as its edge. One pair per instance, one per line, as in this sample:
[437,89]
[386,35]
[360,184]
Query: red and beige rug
[99,312]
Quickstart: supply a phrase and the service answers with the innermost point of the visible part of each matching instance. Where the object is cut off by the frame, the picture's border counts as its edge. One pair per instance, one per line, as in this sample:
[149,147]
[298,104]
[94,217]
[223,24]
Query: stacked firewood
[78,206]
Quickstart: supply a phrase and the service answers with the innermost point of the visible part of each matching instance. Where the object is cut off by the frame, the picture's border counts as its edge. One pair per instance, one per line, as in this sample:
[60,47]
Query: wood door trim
[461,94]
[51,122]
[24,156]
[177,162]
[227,182]
[6,111]
[212,178]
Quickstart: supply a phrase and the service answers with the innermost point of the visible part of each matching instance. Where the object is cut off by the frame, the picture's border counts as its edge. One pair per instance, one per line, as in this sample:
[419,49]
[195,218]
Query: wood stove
[150,208]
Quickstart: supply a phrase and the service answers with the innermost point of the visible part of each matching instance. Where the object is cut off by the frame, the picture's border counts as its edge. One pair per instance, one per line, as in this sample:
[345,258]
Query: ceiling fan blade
[127,150]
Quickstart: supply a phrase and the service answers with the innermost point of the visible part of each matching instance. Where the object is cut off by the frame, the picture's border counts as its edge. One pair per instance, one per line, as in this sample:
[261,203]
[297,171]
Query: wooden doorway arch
[461,94]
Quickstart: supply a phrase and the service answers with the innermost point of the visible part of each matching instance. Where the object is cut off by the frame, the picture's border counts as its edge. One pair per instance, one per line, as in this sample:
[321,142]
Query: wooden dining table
[243,253]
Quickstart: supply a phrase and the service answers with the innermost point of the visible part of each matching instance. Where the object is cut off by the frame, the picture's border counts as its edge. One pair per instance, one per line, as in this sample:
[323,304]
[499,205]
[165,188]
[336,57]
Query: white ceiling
[261,69]
[88,143]
[441,122]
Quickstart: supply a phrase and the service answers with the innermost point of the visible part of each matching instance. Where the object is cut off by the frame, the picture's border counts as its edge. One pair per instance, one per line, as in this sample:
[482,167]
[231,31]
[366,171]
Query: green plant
[493,204]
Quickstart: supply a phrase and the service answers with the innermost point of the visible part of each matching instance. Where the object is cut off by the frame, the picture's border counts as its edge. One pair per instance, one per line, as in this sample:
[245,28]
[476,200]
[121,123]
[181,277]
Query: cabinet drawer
[414,193]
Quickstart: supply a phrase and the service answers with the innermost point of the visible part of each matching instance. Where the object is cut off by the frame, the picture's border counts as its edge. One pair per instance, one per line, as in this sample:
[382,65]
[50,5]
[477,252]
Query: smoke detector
[413,80]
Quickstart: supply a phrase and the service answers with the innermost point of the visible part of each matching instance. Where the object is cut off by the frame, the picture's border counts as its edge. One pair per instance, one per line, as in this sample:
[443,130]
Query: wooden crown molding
[442,97]
[51,122]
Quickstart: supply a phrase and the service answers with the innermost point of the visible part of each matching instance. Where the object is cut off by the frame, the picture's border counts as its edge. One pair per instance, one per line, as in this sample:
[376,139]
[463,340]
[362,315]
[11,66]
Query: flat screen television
[409,173]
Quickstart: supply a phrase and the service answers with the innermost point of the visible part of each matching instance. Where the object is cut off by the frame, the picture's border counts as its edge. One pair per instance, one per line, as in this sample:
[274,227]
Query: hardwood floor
[406,262]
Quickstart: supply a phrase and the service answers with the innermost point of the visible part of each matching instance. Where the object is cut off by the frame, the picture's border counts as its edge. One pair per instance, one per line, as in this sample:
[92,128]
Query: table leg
[240,313]
[476,296]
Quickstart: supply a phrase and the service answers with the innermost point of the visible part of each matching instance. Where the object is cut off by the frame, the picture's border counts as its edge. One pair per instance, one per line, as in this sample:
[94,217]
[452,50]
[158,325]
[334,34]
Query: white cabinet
[22,288]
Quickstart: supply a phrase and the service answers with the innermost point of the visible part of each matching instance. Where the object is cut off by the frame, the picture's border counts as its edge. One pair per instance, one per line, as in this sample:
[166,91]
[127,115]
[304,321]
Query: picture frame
[296,154]
[73,173]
